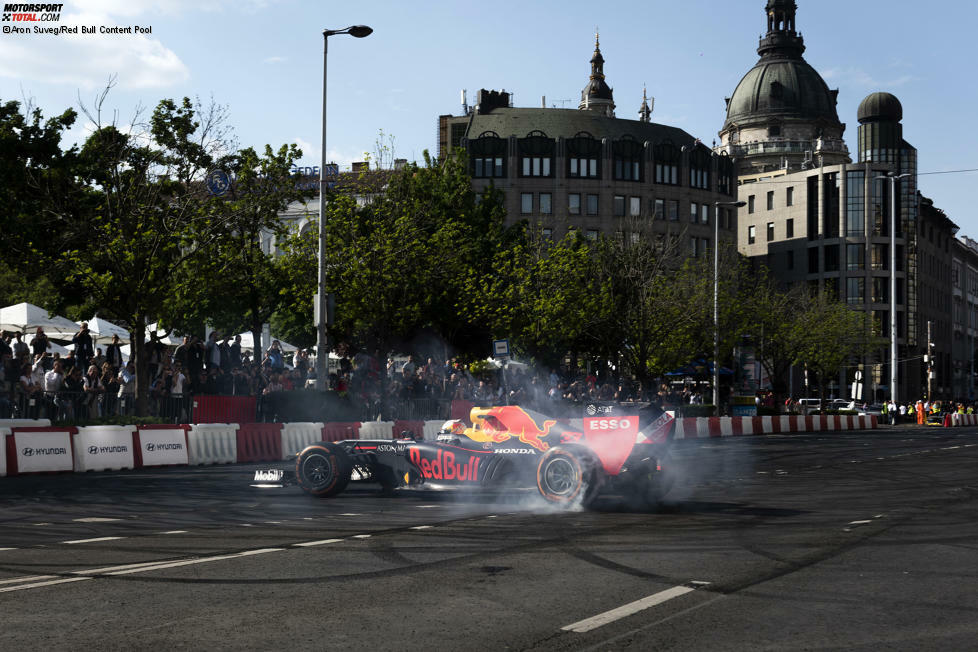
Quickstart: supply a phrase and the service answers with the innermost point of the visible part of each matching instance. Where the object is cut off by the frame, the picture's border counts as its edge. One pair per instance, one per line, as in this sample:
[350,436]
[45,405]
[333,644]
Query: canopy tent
[26,317]
[53,347]
[103,330]
[248,344]
[164,336]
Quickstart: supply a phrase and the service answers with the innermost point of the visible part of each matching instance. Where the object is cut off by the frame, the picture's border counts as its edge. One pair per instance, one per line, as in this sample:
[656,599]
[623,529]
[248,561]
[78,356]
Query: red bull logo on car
[445,467]
[498,424]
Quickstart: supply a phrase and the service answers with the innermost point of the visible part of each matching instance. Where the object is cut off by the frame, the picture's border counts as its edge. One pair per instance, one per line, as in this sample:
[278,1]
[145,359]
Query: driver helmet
[453,427]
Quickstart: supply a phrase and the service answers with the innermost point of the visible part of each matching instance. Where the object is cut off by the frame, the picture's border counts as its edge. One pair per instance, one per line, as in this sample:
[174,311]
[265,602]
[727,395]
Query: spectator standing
[92,386]
[213,352]
[127,388]
[195,359]
[84,349]
[235,352]
[113,353]
[20,348]
[40,344]
[275,357]
[110,382]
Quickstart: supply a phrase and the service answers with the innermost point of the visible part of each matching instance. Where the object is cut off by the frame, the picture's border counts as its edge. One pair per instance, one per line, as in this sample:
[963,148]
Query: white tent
[103,330]
[53,347]
[26,317]
[248,343]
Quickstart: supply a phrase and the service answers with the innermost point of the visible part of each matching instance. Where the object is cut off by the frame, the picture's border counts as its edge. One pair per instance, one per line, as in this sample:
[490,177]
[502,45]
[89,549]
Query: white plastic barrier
[213,443]
[431,429]
[3,450]
[377,430]
[5,427]
[163,446]
[104,448]
[296,436]
[37,452]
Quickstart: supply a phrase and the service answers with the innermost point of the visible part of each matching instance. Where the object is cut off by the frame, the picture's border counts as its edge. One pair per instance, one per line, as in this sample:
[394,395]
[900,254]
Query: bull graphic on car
[567,462]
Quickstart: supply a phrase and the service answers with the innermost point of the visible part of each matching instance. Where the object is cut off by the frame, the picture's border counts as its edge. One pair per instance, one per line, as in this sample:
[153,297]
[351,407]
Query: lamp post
[322,353]
[893,178]
[716,297]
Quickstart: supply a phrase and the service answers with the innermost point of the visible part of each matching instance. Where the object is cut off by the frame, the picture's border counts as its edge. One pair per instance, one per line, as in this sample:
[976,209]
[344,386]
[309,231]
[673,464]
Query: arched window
[536,153]
[488,156]
[699,168]
[667,158]
[627,155]
[725,174]
[584,156]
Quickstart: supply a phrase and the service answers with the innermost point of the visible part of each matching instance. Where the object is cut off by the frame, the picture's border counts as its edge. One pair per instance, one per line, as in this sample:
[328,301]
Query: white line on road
[189,562]
[96,519]
[175,532]
[361,536]
[351,514]
[32,578]
[92,540]
[317,543]
[627,610]
[859,522]
[7,549]
[40,584]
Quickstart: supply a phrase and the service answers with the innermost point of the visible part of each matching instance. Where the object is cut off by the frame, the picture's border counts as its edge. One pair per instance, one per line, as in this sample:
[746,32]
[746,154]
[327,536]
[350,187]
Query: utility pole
[929,359]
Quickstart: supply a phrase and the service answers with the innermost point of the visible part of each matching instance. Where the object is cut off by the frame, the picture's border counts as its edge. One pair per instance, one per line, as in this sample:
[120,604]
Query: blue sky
[263,59]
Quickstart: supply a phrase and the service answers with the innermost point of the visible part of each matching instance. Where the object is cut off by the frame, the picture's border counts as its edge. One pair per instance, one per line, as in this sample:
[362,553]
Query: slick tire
[323,469]
[568,475]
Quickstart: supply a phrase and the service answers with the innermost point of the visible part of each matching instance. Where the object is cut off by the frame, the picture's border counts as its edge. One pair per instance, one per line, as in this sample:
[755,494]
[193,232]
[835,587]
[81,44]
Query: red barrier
[417,427]
[462,409]
[341,430]
[12,466]
[139,437]
[224,409]
[259,442]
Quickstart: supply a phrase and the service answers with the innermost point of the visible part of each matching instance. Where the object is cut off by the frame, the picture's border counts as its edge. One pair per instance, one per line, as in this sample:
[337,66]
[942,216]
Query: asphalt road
[855,541]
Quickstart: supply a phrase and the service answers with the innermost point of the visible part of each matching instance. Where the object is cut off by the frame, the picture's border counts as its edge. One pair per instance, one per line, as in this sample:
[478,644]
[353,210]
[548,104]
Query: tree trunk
[137,346]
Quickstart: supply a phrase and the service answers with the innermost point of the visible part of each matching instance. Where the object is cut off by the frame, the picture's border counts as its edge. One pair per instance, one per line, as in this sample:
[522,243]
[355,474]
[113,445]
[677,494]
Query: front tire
[323,469]
[568,475]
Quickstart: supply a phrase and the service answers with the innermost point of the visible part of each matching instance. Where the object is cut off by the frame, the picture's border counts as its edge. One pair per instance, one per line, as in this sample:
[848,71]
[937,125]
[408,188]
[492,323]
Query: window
[694,212]
[770,200]
[574,203]
[673,210]
[855,207]
[704,213]
[667,158]
[619,205]
[692,247]
[881,290]
[751,234]
[880,257]
[659,210]
[813,260]
[627,155]
[583,156]
[704,244]
[546,203]
[548,234]
[789,228]
[832,258]
[592,204]
[488,153]
[591,234]
[725,174]
[856,290]
[699,168]
[634,206]
[526,203]
[770,231]
[855,257]
[790,262]
[750,204]
[830,207]
[812,208]
[789,196]
[536,153]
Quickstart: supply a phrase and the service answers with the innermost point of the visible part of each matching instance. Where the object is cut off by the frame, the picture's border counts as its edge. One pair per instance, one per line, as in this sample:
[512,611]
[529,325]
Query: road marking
[190,562]
[351,514]
[427,506]
[859,522]
[39,524]
[422,527]
[317,543]
[92,540]
[98,571]
[40,584]
[273,522]
[629,609]
[361,536]
[32,578]
[175,532]
[96,519]
[8,548]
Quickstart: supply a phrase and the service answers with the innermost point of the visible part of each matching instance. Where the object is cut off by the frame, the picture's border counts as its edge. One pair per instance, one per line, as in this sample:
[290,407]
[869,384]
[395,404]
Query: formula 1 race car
[506,446]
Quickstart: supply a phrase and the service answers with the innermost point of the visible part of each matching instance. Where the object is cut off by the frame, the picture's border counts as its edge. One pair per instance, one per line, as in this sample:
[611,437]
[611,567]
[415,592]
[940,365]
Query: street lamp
[322,353]
[716,297]
[893,178]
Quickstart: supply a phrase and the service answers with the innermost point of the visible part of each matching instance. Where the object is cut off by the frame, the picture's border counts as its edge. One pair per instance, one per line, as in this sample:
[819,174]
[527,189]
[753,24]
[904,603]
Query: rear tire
[568,475]
[323,469]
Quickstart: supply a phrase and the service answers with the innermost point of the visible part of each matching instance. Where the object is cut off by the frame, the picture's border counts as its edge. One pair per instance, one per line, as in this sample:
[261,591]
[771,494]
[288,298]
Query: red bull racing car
[507,446]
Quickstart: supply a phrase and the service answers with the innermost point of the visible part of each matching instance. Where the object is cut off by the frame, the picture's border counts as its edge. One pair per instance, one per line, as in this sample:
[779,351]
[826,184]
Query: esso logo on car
[609,424]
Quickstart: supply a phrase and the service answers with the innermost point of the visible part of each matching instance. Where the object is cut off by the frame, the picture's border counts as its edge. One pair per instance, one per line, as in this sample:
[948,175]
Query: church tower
[782,116]
[597,95]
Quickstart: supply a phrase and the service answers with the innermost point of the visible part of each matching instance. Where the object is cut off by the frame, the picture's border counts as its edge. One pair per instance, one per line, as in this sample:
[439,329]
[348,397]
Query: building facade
[588,170]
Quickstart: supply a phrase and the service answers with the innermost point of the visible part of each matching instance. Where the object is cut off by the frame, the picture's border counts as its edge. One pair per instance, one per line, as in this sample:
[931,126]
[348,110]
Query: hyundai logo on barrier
[95,450]
[27,452]
[150,447]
